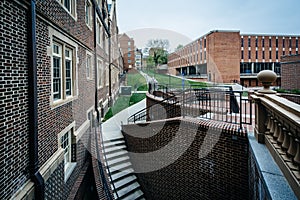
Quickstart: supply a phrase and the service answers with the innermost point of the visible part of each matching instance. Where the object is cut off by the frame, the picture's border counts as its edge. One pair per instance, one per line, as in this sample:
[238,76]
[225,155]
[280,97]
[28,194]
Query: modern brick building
[57,78]
[290,72]
[228,56]
[128,51]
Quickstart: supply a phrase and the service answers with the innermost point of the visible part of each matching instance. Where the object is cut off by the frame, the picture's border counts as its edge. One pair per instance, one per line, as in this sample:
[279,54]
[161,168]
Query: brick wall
[221,174]
[13,98]
[290,72]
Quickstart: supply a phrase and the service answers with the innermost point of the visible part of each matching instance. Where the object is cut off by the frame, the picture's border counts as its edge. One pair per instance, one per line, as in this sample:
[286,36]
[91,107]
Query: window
[297,43]
[67,142]
[283,42]
[107,75]
[98,30]
[256,42]
[256,54]
[242,42]
[276,54]
[270,42]
[69,6]
[129,43]
[129,49]
[100,73]
[129,61]
[270,54]
[88,13]
[283,52]
[204,42]
[62,71]
[242,55]
[263,55]
[263,42]
[89,66]
[129,54]
[249,42]
[249,54]
[290,43]
[276,42]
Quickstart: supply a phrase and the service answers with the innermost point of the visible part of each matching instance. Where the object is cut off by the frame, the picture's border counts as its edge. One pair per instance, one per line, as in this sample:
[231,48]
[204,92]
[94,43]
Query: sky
[190,19]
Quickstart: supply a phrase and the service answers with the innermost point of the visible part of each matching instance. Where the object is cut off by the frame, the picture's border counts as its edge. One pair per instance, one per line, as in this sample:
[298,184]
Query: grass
[174,81]
[136,81]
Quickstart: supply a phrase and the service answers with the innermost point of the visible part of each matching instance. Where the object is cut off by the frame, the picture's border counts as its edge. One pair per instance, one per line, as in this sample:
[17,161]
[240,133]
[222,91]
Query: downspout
[96,63]
[109,61]
[33,167]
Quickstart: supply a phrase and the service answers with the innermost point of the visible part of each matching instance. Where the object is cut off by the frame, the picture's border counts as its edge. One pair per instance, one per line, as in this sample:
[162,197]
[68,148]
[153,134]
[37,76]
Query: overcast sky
[194,18]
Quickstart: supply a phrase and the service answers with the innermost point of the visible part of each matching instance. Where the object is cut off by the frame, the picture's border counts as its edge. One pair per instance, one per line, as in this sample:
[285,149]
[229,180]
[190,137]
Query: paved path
[111,128]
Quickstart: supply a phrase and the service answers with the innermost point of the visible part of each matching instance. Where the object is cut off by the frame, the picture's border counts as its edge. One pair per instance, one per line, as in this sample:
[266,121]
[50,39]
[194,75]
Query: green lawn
[173,81]
[138,82]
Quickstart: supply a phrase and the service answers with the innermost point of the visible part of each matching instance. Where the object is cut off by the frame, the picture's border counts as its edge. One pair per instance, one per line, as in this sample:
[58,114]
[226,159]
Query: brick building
[290,72]
[228,56]
[128,51]
[56,77]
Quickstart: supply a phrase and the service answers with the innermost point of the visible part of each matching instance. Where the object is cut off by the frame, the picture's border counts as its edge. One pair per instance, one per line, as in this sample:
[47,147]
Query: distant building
[290,72]
[138,59]
[228,56]
[128,51]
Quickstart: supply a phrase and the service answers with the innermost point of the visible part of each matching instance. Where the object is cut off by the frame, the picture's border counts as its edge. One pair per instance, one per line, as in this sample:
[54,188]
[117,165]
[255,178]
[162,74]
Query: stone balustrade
[277,124]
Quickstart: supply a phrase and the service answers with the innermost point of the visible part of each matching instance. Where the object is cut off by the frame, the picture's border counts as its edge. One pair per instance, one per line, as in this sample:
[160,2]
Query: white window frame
[71,9]
[100,74]
[89,65]
[65,140]
[88,13]
[57,56]
[64,59]
[107,74]
[99,33]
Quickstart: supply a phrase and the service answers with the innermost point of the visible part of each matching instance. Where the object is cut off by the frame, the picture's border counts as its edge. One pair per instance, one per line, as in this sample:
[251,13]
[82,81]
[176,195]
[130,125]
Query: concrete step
[117,161]
[124,182]
[128,189]
[116,154]
[113,149]
[113,143]
[122,174]
[138,194]
[120,167]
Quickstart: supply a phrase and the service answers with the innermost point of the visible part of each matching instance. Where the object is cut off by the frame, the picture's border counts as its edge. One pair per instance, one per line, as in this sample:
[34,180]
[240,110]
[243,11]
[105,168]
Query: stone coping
[272,177]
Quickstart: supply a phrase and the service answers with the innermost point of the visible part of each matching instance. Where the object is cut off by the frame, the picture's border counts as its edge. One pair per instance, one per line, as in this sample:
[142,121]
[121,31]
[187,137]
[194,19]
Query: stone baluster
[268,123]
[297,156]
[276,130]
[271,132]
[273,126]
[281,135]
[286,141]
[291,152]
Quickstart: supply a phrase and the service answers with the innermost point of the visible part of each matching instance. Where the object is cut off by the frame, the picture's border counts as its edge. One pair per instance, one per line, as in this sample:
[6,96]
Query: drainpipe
[96,63]
[109,61]
[33,167]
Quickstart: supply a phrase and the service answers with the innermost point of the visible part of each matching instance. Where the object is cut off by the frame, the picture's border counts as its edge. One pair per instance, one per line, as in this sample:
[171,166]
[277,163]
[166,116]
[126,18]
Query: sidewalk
[111,128]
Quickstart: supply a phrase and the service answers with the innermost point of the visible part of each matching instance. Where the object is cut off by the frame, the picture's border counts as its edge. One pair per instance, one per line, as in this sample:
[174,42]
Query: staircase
[125,182]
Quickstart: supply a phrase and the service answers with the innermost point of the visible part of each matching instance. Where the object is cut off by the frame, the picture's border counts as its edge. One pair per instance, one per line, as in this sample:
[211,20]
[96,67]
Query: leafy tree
[158,51]
[178,47]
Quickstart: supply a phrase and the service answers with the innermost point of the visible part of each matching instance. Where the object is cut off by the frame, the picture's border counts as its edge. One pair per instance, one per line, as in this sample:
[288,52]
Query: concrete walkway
[111,128]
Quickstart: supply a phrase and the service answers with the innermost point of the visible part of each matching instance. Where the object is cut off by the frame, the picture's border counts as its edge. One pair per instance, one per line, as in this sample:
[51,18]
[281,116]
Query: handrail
[100,167]
[210,102]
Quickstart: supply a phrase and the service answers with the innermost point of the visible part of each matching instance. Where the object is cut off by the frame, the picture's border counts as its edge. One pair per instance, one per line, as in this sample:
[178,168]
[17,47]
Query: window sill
[61,102]
[69,168]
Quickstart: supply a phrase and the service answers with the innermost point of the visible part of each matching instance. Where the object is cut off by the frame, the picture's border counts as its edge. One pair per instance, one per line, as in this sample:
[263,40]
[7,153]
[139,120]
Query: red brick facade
[228,56]
[128,51]
[73,114]
[221,174]
[290,72]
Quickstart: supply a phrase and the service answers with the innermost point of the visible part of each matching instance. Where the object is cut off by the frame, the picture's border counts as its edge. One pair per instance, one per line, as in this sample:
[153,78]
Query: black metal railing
[215,103]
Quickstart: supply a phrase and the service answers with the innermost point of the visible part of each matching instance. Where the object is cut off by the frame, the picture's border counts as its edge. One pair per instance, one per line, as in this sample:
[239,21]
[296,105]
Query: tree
[158,50]
[178,47]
